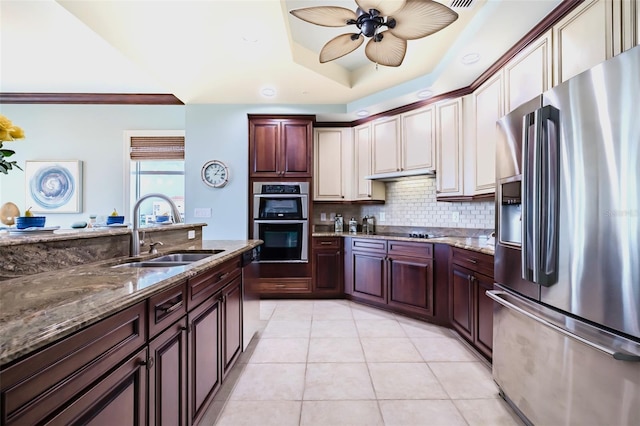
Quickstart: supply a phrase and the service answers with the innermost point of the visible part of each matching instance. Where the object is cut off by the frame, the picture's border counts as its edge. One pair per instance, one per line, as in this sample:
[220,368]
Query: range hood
[396,176]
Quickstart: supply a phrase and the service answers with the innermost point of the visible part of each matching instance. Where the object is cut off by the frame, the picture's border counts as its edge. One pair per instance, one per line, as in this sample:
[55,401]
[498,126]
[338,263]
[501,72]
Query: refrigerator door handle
[548,133]
[501,297]
[528,199]
[540,196]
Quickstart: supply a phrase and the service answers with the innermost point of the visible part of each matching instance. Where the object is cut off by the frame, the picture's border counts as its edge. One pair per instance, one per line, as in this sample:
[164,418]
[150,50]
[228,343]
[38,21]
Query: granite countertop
[478,244]
[36,310]
[8,239]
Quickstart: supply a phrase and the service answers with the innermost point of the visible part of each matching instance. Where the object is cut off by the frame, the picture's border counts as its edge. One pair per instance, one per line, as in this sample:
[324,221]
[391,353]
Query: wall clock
[215,173]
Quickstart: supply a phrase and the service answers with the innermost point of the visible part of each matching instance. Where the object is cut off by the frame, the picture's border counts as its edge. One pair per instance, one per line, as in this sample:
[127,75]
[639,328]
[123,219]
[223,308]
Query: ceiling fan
[388,24]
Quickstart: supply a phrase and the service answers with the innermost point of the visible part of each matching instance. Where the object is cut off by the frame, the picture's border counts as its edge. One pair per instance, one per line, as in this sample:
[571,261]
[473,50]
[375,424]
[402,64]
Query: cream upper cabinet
[418,139]
[333,163]
[583,39]
[449,148]
[488,101]
[626,25]
[386,145]
[364,189]
[529,73]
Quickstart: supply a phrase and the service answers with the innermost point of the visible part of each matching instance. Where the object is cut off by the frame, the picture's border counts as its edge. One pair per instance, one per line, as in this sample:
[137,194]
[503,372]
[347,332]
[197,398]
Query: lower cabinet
[205,372]
[369,270]
[471,310]
[393,274]
[327,266]
[232,322]
[168,376]
[158,362]
[118,399]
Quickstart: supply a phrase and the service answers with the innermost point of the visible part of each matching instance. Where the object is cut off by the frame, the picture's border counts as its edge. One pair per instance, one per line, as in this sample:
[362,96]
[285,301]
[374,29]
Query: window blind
[157,148]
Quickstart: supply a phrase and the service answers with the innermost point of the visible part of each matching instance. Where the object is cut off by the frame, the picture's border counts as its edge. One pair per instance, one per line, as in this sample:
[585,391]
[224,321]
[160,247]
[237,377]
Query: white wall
[91,133]
[222,132]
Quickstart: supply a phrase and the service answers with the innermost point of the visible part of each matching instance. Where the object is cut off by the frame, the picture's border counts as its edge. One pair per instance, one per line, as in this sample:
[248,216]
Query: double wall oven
[280,219]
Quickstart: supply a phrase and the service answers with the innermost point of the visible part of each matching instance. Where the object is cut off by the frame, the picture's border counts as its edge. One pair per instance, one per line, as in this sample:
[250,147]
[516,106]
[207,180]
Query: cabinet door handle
[169,308]
[149,363]
[326,243]
[338,253]
[223,276]
[472,261]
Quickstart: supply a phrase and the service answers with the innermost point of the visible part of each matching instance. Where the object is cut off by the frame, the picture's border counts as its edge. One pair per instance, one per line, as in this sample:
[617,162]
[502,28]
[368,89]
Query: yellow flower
[8,131]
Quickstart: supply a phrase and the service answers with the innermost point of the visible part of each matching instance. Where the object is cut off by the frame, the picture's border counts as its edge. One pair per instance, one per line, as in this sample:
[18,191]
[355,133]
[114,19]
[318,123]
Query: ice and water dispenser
[510,223]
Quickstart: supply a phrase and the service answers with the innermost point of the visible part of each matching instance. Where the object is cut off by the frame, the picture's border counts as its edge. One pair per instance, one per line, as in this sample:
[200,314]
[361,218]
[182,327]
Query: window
[156,164]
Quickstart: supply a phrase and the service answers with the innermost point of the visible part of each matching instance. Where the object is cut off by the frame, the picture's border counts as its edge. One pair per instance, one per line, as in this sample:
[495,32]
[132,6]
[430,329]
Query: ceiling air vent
[461,4]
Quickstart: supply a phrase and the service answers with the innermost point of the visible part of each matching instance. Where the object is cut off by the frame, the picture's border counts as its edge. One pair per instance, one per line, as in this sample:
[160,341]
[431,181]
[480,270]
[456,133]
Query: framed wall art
[54,186]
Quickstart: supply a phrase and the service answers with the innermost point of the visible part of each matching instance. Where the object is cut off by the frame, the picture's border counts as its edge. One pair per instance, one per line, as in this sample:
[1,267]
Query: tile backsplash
[412,202]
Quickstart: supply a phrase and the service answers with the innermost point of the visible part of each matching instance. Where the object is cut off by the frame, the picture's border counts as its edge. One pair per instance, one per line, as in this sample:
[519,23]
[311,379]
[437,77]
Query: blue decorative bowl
[23,222]
[114,219]
[163,218]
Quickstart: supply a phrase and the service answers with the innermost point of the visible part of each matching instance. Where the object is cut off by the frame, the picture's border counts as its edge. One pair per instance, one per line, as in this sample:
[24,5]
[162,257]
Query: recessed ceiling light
[249,39]
[268,92]
[470,58]
[424,94]
[362,113]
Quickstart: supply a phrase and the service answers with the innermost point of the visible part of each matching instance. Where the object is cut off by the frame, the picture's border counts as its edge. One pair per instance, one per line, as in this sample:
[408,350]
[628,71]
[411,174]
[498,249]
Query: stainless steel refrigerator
[567,259]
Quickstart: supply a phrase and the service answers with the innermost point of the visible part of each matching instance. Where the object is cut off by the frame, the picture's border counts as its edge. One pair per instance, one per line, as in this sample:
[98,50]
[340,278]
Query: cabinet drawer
[38,385]
[282,285]
[326,242]
[369,244]
[406,248]
[209,282]
[166,307]
[476,261]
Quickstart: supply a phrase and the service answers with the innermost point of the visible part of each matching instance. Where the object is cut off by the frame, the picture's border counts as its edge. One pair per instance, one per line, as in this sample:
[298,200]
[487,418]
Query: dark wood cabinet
[393,274]
[327,266]
[471,310]
[232,322]
[484,314]
[462,300]
[36,387]
[281,146]
[205,373]
[168,376]
[117,399]
[410,277]
[369,283]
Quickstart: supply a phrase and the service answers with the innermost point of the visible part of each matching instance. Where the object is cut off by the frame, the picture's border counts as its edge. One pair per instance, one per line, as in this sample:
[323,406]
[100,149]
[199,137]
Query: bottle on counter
[353,225]
[365,225]
[339,223]
[371,225]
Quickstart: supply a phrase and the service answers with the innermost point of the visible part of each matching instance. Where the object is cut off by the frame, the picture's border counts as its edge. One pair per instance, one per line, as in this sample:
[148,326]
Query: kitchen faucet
[135,233]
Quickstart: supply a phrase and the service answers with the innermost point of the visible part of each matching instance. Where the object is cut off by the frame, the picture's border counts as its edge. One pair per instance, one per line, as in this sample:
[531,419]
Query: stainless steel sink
[149,264]
[184,257]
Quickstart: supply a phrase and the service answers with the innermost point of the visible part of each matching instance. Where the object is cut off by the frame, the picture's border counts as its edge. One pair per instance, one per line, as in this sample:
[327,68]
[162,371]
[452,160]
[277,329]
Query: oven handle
[286,222]
[280,195]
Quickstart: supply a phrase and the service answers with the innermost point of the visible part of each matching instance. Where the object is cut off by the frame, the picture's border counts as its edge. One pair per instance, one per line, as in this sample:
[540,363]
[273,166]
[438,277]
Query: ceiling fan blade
[385,7]
[326,16]
[420,18]
[389,51]
[340,46]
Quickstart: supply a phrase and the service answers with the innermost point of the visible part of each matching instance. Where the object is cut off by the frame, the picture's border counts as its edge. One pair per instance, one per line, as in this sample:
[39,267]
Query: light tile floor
[335,362]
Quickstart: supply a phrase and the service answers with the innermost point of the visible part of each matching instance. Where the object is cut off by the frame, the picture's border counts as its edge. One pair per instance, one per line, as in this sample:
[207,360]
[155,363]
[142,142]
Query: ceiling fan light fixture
[387,23]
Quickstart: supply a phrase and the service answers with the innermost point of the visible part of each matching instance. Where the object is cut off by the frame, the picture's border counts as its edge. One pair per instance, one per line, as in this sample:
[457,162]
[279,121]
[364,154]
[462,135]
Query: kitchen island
[105,339]
[38,309]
